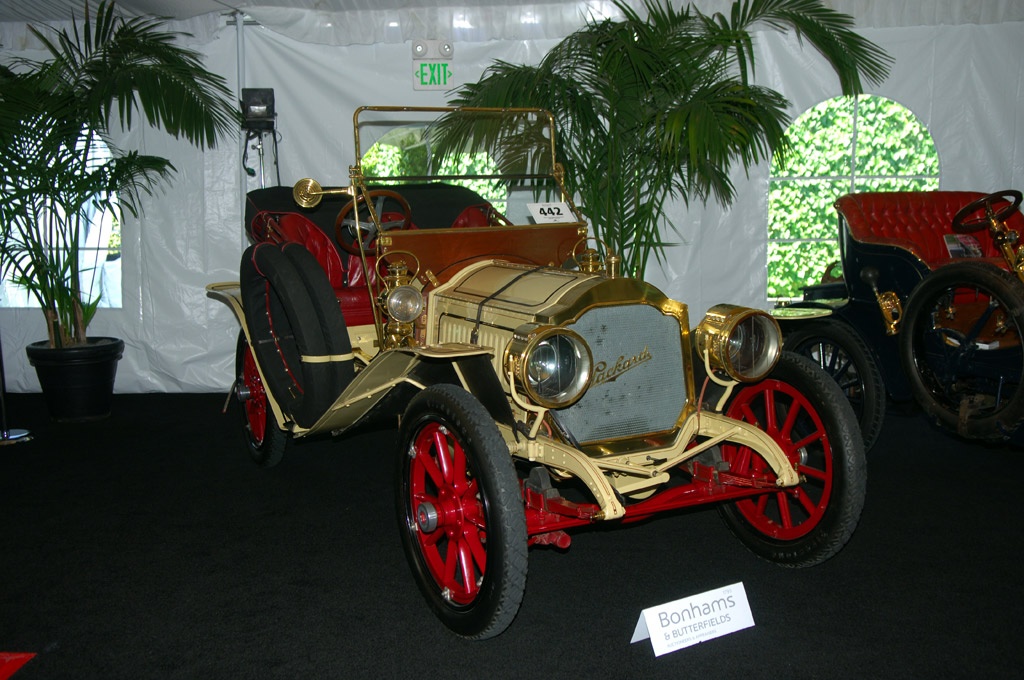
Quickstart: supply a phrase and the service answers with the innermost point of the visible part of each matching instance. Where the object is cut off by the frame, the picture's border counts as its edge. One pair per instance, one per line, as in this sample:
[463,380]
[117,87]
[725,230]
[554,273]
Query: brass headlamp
[401,302]
[744,343]
[552,365]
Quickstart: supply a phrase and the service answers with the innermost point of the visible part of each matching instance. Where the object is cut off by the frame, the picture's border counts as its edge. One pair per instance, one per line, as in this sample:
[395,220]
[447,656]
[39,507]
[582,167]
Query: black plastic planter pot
[77,382]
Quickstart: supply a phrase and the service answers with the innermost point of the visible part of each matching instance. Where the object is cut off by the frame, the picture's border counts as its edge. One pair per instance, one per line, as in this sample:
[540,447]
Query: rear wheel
[960,343]
[841,353]
[461,512]
[806,414]
[264,440]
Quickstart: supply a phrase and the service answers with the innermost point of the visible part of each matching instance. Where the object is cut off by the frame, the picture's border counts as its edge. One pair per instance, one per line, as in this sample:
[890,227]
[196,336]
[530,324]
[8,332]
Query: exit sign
[431,75]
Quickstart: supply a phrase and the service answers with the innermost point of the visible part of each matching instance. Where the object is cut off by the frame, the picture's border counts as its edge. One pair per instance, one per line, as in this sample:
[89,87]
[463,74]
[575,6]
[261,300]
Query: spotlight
[258,108]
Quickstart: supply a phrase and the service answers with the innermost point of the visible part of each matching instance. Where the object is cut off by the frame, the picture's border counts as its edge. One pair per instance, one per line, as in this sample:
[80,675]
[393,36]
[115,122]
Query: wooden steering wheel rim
[962,225]
[350,245]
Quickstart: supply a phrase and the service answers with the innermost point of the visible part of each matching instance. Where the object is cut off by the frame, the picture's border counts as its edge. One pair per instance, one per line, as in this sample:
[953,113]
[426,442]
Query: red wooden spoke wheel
[449,514]
[802,408]
[462,520]
[255,404]
[786,414]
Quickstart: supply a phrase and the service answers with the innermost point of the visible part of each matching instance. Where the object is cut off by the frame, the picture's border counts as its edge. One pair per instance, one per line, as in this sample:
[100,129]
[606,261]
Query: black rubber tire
[947,369]
[830,459]
[332,321]
[265,442]
[842,353]
[284,326]
[490,515]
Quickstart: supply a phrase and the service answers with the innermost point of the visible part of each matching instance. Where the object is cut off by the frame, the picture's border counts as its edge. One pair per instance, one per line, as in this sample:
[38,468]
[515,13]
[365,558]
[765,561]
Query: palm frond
[136,66]
[853,58]
[660,104]
[52,111]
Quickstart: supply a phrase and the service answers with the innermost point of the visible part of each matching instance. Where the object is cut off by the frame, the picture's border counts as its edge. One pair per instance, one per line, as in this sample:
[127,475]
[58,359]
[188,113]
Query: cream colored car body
[474,307]
[474,316]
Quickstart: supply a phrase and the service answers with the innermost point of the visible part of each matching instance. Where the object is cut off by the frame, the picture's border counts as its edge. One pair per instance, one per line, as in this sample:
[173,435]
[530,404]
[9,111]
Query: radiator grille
[639,384]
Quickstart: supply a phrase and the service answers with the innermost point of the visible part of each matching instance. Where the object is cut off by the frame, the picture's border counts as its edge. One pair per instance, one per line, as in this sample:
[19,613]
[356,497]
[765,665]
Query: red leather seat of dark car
[917,221]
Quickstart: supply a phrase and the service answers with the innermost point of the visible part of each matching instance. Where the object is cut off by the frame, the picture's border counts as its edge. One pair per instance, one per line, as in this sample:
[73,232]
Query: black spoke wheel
[844,355]
[264,440]
[804,411]
[960,344]
[461,512]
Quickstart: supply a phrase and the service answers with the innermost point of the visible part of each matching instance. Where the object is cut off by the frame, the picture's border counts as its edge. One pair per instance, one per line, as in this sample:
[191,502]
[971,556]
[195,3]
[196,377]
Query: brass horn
[308,193]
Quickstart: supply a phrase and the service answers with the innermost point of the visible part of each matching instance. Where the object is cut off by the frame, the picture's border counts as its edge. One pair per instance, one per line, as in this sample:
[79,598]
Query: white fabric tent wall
[962,81]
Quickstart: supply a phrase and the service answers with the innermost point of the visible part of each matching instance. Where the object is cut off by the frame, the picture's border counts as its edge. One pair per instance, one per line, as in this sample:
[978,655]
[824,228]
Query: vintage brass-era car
[930,308]
[534,389]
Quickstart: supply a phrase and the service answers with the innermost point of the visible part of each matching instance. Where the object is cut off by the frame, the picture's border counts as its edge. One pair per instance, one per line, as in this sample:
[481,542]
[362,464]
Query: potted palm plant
[658,107]
[57,186]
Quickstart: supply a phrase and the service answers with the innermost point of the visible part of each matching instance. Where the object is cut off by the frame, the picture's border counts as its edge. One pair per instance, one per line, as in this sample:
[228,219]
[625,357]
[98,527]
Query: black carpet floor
[148,546]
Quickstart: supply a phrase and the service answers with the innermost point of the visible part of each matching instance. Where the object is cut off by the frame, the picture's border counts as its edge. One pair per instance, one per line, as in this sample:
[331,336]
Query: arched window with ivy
[842,145]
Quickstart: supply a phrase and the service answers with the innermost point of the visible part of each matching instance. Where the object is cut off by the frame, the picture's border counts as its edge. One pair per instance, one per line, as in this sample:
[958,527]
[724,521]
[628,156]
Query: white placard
[695,619]
[546,213]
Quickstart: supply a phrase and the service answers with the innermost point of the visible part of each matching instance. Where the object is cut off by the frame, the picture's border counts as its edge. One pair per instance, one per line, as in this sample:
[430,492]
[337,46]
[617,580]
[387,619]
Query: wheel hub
[427,517]
[242,391]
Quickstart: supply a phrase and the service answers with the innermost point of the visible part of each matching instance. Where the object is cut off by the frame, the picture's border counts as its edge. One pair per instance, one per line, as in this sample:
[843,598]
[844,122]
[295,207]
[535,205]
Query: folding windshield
[456,158]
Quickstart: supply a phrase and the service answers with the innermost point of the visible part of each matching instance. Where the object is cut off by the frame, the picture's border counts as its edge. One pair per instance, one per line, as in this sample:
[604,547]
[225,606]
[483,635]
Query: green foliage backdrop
[846,144]
[406,152]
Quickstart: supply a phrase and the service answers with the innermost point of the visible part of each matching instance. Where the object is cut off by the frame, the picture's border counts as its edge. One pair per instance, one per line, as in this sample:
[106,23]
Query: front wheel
[804,411]
[461,513]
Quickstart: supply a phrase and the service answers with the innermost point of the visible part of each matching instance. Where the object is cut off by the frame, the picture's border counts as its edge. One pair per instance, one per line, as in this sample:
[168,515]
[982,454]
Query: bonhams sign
[695,619]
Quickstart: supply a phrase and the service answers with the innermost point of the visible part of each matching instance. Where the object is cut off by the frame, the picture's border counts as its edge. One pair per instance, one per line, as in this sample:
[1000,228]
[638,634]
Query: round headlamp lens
[557,368]
[404,304]
[752,346]
[552,365]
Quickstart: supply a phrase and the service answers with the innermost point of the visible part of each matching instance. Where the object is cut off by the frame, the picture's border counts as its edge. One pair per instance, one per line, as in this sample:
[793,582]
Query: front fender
[230,293]
[381,391]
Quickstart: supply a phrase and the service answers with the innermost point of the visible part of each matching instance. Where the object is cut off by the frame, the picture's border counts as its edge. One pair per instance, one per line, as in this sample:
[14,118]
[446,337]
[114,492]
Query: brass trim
[525,340]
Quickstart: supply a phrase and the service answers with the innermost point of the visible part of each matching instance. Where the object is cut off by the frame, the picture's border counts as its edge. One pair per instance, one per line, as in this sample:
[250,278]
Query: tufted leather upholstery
[916,221]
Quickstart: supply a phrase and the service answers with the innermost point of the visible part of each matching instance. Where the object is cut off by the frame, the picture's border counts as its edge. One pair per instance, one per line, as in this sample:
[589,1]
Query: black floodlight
[258,108]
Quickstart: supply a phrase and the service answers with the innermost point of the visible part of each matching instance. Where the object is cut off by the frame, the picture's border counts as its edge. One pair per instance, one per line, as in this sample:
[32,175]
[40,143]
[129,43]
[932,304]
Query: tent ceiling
[53,10]
[878,13]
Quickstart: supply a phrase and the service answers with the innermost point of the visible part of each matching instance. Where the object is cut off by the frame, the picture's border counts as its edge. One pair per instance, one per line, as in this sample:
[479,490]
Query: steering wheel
[350,230]
[965,221]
